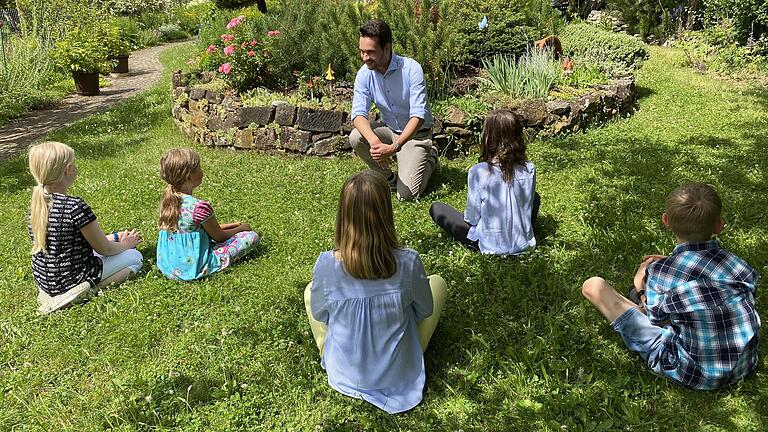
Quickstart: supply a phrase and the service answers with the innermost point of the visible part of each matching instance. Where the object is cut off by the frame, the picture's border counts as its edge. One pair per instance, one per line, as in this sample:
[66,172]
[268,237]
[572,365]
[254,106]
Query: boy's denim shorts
[639,334]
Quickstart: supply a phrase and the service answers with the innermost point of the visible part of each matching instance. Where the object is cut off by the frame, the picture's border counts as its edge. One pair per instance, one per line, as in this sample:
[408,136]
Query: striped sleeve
[202,212]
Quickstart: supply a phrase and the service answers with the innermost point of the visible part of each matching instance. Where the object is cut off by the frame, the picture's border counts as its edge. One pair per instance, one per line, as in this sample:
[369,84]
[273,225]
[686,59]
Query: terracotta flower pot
[122,64]
[86,84]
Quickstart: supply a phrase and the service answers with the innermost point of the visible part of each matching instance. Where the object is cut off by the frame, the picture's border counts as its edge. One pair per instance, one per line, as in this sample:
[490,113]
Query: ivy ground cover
[517,348]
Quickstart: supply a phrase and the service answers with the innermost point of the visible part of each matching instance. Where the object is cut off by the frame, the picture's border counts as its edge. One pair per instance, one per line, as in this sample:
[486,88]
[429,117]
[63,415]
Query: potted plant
[81,53]
[119,49]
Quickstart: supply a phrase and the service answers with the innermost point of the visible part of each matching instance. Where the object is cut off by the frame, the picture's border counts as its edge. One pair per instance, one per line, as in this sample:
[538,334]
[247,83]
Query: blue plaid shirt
[704,298]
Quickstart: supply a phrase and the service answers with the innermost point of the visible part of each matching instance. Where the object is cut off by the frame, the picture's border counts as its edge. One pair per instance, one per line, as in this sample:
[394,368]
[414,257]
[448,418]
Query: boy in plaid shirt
[695,319]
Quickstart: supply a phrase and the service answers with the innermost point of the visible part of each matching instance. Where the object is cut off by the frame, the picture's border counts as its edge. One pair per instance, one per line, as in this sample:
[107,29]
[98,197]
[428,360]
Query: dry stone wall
[215,118]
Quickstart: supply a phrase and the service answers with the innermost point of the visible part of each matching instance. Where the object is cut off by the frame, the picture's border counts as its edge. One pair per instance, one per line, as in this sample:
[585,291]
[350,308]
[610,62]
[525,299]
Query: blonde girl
[191,243]
[71,256]
[371,307]
[502,203]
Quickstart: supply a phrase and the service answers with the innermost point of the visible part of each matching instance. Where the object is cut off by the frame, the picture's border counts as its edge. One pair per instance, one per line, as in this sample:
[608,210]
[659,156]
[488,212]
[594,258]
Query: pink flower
[211,49]
[273,33]
[227,37]
[253,43]
[244,44]
[251,53]
[229,50]
[234,22]
[226,68]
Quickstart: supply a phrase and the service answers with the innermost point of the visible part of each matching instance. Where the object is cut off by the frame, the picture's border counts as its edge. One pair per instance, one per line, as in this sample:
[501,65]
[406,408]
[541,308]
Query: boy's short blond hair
[693,210]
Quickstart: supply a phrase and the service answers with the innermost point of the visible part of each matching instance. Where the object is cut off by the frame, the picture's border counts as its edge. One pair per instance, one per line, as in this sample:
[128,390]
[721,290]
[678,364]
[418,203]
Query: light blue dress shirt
[399,93]
[372,350]
[500,212]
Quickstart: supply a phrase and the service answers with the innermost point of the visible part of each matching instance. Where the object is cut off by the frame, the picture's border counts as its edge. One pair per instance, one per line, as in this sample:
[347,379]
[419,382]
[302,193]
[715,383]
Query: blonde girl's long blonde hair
[365,227]
[47,163]
[176,166]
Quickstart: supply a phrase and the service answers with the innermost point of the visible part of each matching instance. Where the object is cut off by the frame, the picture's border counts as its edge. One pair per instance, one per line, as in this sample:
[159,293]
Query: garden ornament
[329,74]
[551,43]
[483,24]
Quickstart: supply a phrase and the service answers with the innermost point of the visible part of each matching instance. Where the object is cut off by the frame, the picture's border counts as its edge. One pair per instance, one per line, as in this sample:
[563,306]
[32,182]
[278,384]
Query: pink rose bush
[237,60]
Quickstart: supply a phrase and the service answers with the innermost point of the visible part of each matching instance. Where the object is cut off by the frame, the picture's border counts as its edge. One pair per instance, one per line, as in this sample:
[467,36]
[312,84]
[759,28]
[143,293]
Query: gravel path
[145,71]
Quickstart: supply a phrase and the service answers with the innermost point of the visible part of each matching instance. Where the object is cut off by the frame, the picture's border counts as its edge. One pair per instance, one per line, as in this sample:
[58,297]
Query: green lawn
[517,348]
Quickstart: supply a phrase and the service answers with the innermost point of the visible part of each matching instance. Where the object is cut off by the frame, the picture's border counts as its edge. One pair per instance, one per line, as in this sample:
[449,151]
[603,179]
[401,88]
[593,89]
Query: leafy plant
[613,53]
[531,76]
[117,43]
[82,51]
[584,75]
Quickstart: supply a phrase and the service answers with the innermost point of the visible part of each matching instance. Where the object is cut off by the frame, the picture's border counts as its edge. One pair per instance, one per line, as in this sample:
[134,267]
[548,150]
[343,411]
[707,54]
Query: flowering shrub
[241,57]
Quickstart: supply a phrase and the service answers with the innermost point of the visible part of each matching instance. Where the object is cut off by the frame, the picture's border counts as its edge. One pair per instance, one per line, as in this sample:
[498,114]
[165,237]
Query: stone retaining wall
[214,118]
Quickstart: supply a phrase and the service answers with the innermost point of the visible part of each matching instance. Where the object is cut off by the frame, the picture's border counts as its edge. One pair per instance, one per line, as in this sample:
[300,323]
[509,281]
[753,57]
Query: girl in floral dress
[191,243]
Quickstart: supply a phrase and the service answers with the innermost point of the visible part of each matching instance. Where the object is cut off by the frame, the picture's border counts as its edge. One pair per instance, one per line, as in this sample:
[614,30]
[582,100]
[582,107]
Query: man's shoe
[436,157]
[78,294]
[392,180]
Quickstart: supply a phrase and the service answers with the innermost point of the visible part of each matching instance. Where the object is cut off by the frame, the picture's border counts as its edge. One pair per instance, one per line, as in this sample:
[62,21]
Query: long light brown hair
[47,163]
[365,227]
[502,143]
[176,166]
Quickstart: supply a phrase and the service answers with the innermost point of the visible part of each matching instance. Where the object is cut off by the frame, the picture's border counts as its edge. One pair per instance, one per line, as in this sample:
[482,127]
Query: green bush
[135,7]
[512,26]
[717,48]
[214,24]
[171,32]
[749,18]
[29,77]
[147,38]
[316,33]
[613,53]
[660,18]
[242,58]
[420,32]
[192,15]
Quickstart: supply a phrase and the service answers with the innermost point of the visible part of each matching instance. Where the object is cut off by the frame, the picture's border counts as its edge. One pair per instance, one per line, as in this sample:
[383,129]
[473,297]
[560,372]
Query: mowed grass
[517,347]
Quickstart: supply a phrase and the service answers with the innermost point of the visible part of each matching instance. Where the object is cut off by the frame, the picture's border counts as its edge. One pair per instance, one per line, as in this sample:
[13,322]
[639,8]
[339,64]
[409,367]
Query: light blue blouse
[372,350]
[500,212]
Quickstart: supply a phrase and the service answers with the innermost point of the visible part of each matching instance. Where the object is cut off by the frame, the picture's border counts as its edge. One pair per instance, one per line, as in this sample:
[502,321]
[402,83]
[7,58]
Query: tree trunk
[694,15]
[262,5]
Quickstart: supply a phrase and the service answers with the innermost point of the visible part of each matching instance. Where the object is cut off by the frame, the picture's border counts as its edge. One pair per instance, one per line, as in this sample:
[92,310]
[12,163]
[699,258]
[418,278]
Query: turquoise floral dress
[189,253]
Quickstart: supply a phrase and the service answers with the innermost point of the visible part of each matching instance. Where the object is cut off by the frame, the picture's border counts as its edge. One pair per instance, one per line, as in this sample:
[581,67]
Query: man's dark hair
[379,30]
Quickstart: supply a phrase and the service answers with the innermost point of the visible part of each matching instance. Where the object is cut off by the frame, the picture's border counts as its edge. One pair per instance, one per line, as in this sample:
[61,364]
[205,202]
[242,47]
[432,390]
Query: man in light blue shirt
[396,85]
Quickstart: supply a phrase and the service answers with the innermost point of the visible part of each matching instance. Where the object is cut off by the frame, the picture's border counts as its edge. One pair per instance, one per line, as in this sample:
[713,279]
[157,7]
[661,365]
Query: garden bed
[219,118]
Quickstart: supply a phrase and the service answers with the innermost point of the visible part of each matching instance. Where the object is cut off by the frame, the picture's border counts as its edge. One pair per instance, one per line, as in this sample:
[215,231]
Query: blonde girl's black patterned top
[68,259]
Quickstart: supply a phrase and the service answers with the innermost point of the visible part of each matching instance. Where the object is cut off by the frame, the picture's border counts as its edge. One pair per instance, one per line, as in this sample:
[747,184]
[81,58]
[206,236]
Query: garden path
[145,71]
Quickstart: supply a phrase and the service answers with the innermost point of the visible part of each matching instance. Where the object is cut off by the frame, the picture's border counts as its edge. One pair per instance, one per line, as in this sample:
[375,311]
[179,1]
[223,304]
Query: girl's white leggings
[130,259]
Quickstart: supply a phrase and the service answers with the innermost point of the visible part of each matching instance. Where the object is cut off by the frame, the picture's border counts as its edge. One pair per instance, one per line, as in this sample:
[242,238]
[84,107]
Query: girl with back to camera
[71,256]
[191,243]
[371,307]
[502,203]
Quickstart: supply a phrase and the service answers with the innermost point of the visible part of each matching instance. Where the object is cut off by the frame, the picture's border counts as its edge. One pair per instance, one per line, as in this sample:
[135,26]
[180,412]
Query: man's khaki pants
[416,159]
